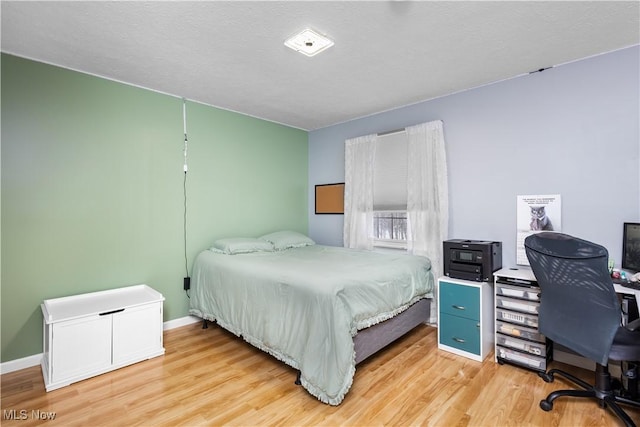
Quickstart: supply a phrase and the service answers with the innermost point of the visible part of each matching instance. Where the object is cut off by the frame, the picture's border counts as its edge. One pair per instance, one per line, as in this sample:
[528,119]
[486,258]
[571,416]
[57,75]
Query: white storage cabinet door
[137,332]
[81,346]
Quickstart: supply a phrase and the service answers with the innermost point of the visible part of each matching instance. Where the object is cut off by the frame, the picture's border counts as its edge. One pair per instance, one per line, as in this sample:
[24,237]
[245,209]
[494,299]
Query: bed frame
[374,338]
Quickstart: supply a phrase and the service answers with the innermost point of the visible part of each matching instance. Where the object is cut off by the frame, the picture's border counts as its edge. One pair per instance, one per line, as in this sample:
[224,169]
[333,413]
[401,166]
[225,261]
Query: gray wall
[571,130]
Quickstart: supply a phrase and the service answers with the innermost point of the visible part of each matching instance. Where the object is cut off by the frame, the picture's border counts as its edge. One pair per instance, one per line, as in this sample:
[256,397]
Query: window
[390,228]
[390,191]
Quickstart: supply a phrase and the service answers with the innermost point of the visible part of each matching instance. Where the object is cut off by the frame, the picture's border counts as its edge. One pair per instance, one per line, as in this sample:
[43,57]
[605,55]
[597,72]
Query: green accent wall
[92,189]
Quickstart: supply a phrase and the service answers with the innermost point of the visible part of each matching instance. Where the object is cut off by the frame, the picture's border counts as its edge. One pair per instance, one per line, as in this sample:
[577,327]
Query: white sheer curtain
[359,157]
[427,197]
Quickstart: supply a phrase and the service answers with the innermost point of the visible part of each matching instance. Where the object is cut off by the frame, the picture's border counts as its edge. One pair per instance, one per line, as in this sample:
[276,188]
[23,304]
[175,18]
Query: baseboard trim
[23,363]
[573,359]
[34,360]
[182,321]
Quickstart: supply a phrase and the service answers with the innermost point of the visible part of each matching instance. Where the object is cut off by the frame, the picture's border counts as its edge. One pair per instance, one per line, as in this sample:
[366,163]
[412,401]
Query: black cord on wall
[186,284]
[186,263]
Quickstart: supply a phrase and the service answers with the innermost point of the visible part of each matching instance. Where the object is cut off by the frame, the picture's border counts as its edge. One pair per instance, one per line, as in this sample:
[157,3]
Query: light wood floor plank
[210,377]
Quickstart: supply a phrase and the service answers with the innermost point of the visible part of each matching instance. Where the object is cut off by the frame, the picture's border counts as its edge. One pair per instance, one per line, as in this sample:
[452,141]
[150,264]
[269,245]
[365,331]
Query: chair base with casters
[601,391]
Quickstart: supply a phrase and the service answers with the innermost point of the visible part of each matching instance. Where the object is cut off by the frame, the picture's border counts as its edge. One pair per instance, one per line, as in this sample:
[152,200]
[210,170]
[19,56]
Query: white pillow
[287,239]
[241,245]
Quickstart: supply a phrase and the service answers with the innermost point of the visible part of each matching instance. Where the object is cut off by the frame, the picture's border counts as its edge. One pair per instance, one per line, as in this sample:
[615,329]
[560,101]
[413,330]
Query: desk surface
[625,289]
[621,286]
[627,284]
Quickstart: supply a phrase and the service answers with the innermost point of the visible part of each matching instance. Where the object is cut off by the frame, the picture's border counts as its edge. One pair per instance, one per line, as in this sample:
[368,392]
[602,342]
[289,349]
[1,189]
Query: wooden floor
[210,377]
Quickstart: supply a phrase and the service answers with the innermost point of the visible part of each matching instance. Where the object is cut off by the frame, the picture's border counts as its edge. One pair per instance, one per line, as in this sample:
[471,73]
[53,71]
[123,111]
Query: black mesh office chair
[579,309]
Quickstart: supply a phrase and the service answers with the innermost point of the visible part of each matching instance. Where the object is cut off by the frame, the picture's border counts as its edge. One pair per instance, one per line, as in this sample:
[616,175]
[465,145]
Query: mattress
[304,305]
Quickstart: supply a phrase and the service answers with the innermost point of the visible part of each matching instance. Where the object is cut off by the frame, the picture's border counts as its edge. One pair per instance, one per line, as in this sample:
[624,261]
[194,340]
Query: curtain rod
[391,132]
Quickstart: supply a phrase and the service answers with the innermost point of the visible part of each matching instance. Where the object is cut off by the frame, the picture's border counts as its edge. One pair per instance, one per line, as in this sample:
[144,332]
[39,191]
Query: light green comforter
[303,305]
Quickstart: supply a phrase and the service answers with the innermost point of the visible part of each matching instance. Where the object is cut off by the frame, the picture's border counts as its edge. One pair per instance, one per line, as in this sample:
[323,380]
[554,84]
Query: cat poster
[535,214]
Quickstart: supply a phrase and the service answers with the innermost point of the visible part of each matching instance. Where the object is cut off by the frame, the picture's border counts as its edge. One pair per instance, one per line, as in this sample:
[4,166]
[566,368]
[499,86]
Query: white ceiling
[386,54]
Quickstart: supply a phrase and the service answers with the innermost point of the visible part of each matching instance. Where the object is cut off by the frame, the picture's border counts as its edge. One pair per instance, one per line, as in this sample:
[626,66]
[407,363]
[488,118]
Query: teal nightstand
[465,317]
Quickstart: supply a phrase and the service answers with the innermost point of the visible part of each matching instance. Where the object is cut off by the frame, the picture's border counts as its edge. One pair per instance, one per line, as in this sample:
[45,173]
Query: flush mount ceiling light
[308,42]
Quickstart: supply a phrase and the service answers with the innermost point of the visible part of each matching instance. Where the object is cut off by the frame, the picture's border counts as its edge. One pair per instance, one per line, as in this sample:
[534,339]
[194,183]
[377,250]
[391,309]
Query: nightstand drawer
[460,300]
[460,333]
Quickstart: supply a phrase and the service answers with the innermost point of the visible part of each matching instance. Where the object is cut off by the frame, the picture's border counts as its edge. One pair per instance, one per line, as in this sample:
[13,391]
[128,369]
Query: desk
[562,354]
[621,289]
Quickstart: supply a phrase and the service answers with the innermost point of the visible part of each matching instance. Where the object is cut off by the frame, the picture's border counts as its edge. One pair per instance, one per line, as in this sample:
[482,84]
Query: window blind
[390,174]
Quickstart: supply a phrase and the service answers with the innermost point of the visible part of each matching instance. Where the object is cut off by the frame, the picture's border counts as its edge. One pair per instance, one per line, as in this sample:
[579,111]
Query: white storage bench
[90,334]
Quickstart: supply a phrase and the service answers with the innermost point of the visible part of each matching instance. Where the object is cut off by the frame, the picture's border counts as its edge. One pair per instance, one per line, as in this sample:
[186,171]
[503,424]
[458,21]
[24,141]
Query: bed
[319,309]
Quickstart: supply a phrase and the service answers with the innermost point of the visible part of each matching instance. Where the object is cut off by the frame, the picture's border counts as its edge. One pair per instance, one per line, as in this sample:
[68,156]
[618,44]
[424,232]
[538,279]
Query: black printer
[471,259]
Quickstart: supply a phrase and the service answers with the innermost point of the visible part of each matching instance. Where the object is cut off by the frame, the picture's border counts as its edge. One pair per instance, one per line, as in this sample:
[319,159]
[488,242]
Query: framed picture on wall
[536,213]
[330,198]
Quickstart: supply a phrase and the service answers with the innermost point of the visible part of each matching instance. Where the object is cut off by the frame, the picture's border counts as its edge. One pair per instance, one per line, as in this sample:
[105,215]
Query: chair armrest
[633,326]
